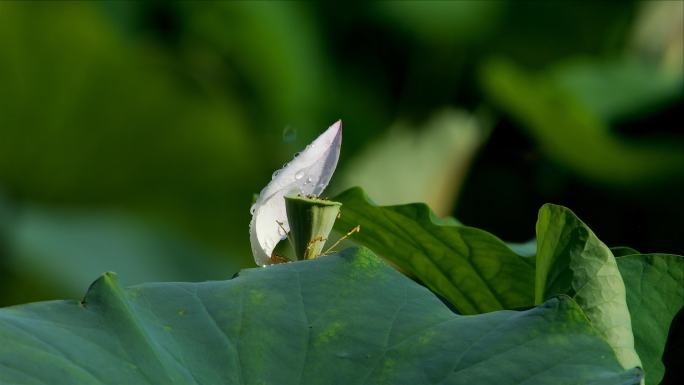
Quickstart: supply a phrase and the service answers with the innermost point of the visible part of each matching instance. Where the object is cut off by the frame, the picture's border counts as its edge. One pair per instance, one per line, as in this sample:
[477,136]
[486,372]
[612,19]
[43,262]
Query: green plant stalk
[311,221]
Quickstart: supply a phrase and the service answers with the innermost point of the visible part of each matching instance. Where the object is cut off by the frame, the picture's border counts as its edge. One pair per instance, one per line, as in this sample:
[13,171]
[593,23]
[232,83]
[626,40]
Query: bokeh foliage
[145,127]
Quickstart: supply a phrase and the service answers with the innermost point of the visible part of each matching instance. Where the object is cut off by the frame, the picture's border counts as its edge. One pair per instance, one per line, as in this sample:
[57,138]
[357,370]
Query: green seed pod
[311,220]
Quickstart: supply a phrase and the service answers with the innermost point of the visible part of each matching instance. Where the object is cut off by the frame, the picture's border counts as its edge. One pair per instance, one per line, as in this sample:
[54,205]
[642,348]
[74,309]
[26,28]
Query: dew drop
[299,175]
[275,174]
[296,155]
[289,134]
[252,209]
[308,180]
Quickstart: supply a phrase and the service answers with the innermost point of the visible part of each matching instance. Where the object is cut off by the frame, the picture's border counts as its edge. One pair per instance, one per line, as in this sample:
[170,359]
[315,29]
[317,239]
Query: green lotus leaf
[655,293]
[474,270]
[341,319]
[572,260]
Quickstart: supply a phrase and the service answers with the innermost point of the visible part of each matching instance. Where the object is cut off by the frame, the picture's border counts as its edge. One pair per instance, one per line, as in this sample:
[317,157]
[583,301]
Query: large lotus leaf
[655,293]
[341,319]
[572,260]
[474,270]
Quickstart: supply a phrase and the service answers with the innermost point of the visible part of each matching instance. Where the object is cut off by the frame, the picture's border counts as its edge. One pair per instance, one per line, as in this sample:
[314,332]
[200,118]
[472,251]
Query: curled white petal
[308,173]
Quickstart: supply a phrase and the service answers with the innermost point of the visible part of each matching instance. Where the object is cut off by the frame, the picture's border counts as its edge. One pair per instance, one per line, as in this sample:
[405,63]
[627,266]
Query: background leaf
[655,293]
[67,247]
[156,110]
[618,89]
[440,154]
[572,260]
[560,121]
[342,319]
[474,270]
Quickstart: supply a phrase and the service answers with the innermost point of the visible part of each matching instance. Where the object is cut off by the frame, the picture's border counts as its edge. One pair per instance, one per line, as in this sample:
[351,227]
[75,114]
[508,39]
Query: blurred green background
[133,135]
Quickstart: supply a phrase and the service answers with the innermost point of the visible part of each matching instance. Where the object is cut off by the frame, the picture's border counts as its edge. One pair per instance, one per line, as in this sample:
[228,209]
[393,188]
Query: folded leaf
[572,260]
[474,270]
[342,319]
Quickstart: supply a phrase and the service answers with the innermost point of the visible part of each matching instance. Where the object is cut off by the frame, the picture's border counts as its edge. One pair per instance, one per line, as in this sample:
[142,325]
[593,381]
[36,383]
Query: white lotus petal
[308,173]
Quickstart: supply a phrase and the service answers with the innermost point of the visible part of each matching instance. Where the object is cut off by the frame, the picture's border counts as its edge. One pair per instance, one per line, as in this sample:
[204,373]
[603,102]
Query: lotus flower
[307,174]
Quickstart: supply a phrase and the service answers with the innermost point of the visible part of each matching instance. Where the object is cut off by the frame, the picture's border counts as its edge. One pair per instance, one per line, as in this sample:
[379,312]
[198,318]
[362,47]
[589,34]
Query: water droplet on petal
[296,155]
[252,209]
[299,175]
[308,180]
